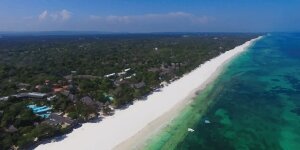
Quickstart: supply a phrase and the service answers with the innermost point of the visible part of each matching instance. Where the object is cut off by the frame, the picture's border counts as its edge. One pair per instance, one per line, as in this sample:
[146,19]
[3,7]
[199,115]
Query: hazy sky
[150,15]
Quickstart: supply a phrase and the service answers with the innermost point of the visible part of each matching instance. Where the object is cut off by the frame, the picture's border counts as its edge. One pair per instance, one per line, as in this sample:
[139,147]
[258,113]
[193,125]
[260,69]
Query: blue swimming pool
[42,111]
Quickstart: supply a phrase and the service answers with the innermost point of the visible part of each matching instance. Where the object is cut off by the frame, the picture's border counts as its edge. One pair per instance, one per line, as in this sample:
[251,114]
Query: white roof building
[110,75]
[121,73]
[127,69]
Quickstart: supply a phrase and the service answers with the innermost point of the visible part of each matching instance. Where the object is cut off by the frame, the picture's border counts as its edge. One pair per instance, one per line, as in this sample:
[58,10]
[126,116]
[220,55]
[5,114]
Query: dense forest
[87,76]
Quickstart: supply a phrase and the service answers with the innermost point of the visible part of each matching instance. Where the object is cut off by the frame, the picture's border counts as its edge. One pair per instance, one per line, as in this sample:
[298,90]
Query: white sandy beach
[125,124]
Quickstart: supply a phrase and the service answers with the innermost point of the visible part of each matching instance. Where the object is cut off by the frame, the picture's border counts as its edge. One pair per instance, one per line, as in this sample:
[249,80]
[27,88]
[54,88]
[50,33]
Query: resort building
[55,120]
[138,85]
[90,102]
[11,129]
[33,95]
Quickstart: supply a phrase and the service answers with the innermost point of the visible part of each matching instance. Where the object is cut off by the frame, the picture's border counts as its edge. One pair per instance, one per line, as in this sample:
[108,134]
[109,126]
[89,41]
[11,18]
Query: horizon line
[62,32]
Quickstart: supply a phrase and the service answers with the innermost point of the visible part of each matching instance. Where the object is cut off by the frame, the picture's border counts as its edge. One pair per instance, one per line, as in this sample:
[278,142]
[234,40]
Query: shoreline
[130,127]
[139,140]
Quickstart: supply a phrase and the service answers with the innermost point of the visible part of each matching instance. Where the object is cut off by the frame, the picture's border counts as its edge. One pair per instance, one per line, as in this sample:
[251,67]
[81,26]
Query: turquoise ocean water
[253,105]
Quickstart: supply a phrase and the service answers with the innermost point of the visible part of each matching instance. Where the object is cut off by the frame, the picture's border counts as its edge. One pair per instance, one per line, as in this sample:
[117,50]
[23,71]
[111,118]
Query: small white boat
[206,121]
[191,130]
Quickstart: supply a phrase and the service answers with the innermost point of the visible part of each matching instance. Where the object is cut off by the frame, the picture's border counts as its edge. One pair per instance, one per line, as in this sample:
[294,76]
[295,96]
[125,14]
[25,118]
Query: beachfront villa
[51,118]
[55,119]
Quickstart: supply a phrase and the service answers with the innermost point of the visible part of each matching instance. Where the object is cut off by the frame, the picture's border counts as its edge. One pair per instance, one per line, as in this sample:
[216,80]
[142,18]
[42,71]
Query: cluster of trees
[95,88]
[30,59]
[19,126]
[34,59]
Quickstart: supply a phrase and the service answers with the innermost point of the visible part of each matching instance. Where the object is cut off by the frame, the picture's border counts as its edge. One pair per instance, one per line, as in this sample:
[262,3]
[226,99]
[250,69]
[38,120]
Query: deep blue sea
[253,105]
